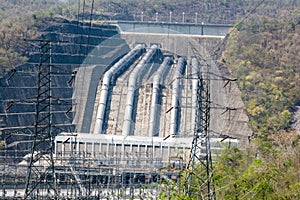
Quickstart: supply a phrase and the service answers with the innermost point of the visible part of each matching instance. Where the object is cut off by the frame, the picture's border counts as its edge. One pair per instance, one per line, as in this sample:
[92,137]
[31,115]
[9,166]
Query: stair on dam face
[117,111]
[141,125]
[186,108]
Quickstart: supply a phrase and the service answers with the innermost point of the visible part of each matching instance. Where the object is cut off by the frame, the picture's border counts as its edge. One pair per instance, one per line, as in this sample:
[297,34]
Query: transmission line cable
[217,47]
[79,110]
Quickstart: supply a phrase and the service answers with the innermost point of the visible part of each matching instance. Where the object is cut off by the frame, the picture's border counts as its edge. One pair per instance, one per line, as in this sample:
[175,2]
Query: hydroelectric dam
[125,101]
[151,91]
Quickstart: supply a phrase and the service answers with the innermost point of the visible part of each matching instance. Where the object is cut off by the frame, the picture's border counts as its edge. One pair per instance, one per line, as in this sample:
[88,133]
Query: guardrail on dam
[173,28]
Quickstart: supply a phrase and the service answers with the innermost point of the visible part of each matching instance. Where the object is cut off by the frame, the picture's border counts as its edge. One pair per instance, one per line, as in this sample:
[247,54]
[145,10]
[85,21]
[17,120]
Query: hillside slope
[263,52]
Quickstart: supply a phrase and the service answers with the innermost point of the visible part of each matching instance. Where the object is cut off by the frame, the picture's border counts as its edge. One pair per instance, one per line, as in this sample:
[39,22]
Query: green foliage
[266,169]
[11,42]
[174,189]
[269,169]
[263,53]
[20,20]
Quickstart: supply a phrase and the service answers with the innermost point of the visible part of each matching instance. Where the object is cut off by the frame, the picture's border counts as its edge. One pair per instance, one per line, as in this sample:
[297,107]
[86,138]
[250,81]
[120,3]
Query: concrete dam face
[126,79]
[141,111]
[152,90]
[125,105]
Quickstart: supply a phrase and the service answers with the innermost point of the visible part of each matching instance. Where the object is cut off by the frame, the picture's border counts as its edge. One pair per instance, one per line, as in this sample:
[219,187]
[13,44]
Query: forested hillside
[19,20]
[263,53]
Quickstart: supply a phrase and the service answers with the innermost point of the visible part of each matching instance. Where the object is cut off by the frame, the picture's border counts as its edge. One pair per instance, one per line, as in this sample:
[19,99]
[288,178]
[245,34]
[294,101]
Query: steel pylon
[199,179]
[41,181]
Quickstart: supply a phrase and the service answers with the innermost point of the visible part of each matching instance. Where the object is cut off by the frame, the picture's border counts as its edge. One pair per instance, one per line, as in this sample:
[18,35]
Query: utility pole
[199,180]
[41,180]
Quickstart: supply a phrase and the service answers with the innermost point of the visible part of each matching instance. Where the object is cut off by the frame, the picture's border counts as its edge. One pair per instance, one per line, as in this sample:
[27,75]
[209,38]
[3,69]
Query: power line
[217,47]
[79,111]
[90,25]
[201,140]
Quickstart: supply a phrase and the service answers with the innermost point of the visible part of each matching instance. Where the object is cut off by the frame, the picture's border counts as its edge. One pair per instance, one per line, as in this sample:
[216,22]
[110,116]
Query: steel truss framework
[41,178]
[200,171]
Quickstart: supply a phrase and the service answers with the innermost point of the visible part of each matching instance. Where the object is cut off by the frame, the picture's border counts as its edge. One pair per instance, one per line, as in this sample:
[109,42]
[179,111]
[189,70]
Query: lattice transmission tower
[41,181]
[199,180]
